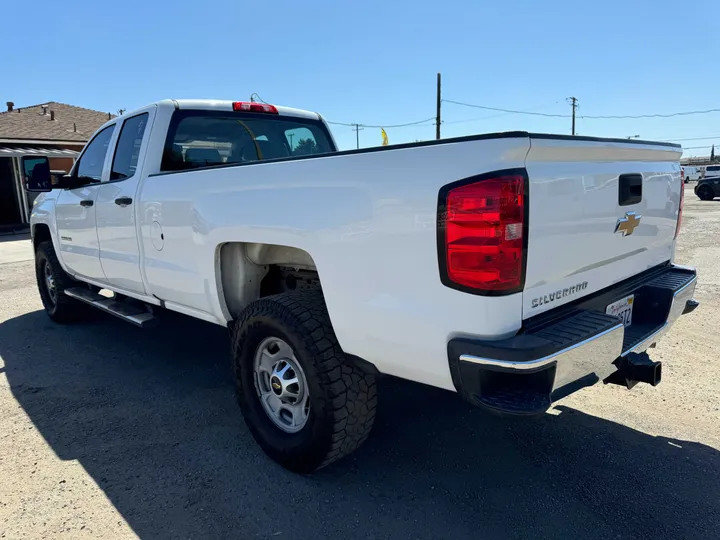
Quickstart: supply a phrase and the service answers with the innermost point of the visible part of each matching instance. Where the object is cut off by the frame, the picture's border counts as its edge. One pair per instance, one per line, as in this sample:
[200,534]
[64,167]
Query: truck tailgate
[600,211]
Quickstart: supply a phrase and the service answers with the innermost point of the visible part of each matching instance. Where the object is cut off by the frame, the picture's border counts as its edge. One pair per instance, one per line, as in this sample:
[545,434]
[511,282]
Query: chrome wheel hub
[281,385]
[50,282]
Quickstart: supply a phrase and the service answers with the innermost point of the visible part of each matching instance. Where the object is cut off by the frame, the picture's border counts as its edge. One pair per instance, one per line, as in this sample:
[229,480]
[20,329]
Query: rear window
[206,138]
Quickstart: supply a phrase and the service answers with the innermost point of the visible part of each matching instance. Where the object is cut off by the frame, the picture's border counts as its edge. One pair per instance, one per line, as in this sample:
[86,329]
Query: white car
[692,174]
[711,171]
[511,268]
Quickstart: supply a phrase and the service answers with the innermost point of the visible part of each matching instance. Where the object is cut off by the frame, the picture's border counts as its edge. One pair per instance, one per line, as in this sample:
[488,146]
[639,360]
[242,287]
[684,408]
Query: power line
[479,118]
[340,123]
[669,115]
[431,122]
[693,138]
[432,118]
[611,117]
[507,110]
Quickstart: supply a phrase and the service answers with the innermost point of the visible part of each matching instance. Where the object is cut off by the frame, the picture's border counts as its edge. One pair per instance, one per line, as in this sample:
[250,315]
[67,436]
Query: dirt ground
[110,431]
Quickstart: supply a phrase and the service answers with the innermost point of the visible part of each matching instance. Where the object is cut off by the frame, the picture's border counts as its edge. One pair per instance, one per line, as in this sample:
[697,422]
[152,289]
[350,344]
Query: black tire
[59,307]
[343,397]
[705,193]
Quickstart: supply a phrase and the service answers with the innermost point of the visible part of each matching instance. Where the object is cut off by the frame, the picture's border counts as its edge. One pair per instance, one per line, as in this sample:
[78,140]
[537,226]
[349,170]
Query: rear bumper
[569,348]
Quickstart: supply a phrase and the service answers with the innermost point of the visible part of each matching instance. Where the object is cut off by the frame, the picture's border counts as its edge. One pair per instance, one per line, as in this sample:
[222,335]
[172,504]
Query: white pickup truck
[512,268]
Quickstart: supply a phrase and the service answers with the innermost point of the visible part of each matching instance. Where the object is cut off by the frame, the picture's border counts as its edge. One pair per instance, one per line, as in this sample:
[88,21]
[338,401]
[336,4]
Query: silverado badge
[626,225]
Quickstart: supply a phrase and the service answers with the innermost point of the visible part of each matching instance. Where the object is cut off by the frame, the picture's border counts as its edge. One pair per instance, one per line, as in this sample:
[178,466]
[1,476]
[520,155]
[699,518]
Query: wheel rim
[281,385]
[50,282]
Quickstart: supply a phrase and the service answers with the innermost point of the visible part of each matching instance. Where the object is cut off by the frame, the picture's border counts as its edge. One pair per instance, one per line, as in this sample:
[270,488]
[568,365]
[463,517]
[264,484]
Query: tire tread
[65,309]
[351,392]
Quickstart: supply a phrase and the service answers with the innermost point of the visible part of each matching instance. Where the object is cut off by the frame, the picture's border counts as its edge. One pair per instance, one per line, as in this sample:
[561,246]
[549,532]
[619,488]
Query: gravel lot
[110,431]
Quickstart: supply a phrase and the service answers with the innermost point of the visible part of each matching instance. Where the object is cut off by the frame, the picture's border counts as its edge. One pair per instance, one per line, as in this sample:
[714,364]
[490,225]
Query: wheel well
[41,233]
[249,271]
[281,279]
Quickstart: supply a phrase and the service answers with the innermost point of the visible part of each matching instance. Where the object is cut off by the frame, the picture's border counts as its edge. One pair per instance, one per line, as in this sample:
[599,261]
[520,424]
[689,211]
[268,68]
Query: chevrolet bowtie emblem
[626,225]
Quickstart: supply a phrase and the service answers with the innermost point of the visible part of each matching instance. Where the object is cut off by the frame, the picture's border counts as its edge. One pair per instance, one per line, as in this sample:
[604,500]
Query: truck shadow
[8,235]
[151,416]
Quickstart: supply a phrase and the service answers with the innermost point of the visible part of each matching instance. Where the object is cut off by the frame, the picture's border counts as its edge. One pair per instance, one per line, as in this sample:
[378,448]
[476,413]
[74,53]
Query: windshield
[207,138]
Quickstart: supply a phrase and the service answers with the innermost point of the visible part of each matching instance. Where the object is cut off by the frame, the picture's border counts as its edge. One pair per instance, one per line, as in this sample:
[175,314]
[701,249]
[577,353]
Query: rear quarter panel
[369,222]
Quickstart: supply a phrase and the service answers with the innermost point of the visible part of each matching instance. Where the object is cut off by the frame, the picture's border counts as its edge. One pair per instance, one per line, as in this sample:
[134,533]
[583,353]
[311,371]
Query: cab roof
[227,105]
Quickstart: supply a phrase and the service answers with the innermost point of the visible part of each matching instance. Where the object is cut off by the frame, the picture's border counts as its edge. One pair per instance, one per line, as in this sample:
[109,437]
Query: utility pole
[357,129]
[573,101]
[437,117]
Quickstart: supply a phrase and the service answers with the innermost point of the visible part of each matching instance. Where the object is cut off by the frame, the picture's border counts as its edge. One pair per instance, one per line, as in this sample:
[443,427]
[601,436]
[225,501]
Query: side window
[301,141]
[92,161]
[127,151]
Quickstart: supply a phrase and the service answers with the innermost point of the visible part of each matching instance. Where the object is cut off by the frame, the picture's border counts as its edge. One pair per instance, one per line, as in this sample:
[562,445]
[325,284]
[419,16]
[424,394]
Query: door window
[127,151]
[92,161]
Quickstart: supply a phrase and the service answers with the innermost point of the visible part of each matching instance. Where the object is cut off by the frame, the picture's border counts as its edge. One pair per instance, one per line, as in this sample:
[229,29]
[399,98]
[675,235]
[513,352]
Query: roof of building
[35,123]
[699,160]
[20,151]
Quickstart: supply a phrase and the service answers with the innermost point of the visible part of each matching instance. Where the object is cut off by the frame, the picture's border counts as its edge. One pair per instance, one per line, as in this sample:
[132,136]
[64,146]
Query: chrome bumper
[680,301]
[500,375]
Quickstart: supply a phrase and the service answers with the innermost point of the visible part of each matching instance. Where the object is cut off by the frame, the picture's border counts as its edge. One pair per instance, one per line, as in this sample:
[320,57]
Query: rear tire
[705,193]
[340,397]
[52,282]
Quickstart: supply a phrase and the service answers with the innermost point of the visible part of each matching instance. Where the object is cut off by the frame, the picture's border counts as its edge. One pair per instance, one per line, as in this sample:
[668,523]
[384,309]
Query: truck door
[116,219]
[75,212]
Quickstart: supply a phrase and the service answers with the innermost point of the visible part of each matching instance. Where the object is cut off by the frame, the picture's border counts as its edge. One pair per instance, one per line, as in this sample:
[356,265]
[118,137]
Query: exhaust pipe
[635,368]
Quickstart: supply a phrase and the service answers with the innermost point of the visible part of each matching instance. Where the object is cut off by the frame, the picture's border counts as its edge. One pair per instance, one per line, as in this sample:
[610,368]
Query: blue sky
[375,62]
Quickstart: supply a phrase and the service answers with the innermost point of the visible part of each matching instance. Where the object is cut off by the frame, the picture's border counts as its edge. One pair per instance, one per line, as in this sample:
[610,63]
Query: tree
[712,154]
[305,147]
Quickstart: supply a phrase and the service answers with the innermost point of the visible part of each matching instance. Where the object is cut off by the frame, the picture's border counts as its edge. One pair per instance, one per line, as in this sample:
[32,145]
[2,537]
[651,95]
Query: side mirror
[36,172]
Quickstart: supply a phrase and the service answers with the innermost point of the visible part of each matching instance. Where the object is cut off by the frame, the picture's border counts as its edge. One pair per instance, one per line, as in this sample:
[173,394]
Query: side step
[124,310]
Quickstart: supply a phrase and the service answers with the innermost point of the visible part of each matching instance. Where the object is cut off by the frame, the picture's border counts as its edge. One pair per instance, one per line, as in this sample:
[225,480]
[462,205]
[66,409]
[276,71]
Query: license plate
[622,309]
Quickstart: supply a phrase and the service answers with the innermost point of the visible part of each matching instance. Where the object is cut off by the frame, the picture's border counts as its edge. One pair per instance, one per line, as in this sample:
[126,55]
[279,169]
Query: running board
[124,310]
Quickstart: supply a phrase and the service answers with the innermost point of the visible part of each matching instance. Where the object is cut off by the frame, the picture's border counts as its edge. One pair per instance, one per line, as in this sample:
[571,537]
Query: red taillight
[680,209]
[484,234]
[248,106]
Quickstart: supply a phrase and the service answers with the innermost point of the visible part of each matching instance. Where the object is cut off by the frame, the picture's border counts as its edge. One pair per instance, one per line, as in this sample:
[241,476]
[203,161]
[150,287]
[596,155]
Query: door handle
[123,201]
[86,203]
